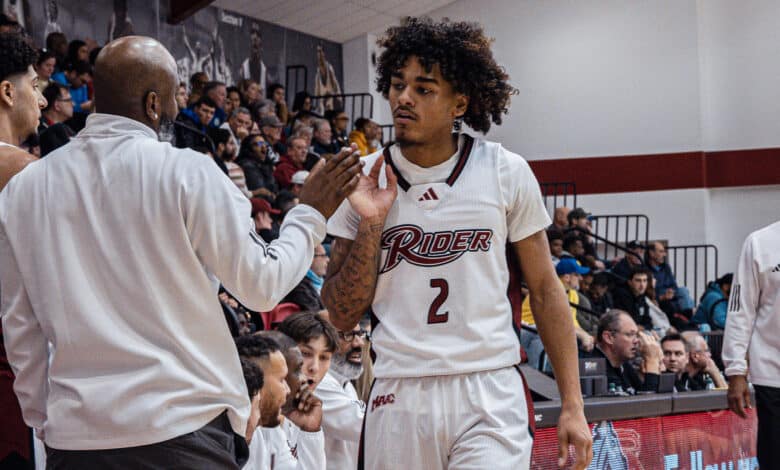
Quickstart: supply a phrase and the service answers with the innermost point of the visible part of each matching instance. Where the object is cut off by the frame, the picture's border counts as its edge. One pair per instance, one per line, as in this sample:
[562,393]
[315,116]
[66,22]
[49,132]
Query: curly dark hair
[17,55]
[253,376]
[463,53]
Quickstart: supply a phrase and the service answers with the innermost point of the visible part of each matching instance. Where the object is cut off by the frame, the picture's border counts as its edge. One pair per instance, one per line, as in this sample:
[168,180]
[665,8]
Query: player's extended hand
[573,430]
[371,201]
[331,181]
[739,395]
[308,414]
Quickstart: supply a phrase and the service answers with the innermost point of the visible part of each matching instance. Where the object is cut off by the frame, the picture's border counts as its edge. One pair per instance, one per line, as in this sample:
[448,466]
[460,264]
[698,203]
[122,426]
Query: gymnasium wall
[662,88]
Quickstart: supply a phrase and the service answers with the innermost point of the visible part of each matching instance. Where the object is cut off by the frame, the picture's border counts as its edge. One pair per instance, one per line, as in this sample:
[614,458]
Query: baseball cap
[261,205]
[635,244]
[299,177]
[271,121]
[570,266]
[578,213]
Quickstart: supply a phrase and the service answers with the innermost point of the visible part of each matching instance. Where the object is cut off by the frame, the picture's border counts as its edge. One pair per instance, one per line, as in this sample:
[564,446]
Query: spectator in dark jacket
[631,297]
[634,258]
[258,168]
[671,297]
[598,294]
[192,129]
[307,293]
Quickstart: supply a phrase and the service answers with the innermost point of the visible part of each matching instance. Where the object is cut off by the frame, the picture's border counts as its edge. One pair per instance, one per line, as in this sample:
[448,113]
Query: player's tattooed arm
[352,273]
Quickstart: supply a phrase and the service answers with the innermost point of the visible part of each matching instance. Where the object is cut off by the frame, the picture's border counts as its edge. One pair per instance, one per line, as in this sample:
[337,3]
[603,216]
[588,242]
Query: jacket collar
[110,125]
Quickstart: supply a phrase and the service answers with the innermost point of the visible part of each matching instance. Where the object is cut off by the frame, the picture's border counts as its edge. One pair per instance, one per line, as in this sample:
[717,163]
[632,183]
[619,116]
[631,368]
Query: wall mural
[226,45]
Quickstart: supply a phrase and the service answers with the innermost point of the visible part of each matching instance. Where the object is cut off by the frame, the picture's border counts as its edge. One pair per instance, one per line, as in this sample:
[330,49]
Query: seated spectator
[8,24]
[342,410]
[598,294]
[232,101]
[266,354]
[573,247]
[217,91]
[675,360]
[285,201]
[225,150]
[569,273]
[619,341]
[555,238]
[262,215]
[238,124]
[713,305]
[78,51]
[75,77]
[298,443]
[301,102]
[44,67]
[271,128]
[581,220]
[322,143]
[182,96]
[250,92]
[258,168]
[198,80]
[307,134]
[634,258]
[53,132]
[307,293]
[276,94]
[58,44]
[338,124]
[561,218]
[363,136]
[192,128]
[671,297]
[291,163]
[701,371]
[631,297]
[298,180]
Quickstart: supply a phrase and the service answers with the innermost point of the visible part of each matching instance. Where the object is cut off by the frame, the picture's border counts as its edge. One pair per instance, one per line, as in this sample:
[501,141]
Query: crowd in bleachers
[631,310]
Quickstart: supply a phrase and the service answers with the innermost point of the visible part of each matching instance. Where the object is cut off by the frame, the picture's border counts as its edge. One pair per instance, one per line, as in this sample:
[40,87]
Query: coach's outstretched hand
[371,201]
[331,181]
[573,430]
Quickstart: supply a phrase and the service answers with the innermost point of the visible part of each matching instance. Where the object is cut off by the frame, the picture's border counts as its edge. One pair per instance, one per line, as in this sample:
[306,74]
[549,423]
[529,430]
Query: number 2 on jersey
[444,292]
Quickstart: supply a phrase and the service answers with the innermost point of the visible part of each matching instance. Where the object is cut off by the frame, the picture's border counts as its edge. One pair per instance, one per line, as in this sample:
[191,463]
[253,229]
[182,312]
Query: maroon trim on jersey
[468,143]
[529,403]
[389,160]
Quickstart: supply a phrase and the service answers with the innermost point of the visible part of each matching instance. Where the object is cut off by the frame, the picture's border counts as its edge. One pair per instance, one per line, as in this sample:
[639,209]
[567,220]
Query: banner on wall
[717,440]
[226,45]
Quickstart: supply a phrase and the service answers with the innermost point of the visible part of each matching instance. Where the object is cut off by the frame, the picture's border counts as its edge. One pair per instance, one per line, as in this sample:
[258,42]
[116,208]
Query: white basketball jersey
[441,303]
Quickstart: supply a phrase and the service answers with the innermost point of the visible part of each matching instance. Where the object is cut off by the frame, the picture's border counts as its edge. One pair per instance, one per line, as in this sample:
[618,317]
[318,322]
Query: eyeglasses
[627,334]
[350,335]
[261,145]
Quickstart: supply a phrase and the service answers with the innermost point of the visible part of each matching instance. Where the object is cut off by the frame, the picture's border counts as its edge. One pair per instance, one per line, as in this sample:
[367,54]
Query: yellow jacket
[359,138]
[528,317]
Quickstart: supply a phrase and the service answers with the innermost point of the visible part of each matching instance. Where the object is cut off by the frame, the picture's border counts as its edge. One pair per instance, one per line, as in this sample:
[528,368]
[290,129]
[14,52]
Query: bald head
[135,77]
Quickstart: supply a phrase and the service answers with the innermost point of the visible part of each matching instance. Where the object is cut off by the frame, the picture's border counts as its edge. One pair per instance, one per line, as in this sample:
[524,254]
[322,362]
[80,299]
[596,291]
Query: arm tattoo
[352,274]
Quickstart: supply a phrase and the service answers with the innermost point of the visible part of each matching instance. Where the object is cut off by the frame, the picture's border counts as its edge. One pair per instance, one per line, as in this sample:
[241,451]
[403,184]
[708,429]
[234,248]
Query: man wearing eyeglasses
[619,341]
[342,410]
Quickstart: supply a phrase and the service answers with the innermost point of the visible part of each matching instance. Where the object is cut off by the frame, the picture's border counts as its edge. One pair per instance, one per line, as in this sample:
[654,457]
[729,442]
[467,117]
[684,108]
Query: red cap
[261,205]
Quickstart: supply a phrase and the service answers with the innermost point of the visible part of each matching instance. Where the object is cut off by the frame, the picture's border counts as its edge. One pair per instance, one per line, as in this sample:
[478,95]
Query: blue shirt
[78,95]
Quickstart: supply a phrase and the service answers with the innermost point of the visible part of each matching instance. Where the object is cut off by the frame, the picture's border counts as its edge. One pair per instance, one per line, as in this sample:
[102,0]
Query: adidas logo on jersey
[411,243]
[429,195]
[776,269]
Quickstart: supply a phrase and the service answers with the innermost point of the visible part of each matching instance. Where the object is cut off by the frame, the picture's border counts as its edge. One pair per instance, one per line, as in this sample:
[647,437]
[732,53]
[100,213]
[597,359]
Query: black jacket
[637,307]
[305,296]
[258,174]
[626,378]
[191,134]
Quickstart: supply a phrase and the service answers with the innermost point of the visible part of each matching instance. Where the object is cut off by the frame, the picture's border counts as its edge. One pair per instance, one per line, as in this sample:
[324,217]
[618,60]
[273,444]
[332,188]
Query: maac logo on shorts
[411,244]
[381,400]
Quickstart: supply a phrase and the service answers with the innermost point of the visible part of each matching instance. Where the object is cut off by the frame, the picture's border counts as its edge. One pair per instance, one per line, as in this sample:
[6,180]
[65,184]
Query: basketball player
[421,243]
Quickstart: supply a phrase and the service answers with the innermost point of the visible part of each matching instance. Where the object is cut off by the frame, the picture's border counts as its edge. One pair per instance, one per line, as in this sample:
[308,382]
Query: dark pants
[214,446]
[768,410]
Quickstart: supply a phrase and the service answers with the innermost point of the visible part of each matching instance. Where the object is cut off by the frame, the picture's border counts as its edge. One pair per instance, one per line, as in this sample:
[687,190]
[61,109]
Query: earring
[154,116]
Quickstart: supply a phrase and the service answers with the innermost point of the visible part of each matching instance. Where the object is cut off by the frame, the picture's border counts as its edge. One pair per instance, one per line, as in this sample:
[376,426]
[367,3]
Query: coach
[111,252]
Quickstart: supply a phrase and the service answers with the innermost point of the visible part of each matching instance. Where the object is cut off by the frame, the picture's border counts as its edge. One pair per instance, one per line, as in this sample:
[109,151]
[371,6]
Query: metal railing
[293,75]
[559,194]
[693,266]
[354,104]
[619,229]
[388,133]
